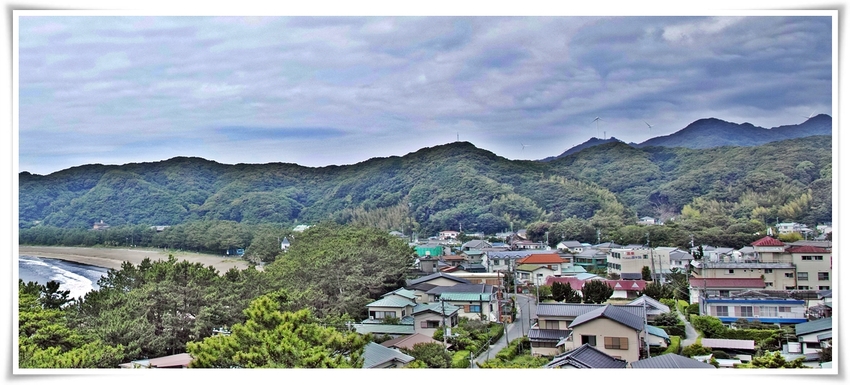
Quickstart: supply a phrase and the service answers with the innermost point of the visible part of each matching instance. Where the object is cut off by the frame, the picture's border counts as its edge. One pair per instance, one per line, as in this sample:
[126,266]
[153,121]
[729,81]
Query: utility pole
[445,328]
[645,331]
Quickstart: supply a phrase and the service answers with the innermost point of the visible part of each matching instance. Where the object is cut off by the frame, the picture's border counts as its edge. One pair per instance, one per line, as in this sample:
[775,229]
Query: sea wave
[77,278]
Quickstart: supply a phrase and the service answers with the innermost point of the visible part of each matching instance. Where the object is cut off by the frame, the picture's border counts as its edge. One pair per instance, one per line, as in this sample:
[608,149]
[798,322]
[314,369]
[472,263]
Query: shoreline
[113,258]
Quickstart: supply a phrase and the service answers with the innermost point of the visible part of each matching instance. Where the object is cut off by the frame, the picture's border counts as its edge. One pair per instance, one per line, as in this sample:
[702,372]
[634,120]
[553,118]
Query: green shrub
[675,345]
[460,359]
[693,309]
[695,349]
[675,330]
[709,326]
[671,303]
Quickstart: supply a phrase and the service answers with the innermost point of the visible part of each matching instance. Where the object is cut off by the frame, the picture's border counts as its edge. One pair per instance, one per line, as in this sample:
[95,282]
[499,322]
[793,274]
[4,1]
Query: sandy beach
[113,258]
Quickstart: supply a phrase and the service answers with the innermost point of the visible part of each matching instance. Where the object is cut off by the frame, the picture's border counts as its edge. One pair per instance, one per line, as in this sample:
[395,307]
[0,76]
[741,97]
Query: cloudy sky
[339,90]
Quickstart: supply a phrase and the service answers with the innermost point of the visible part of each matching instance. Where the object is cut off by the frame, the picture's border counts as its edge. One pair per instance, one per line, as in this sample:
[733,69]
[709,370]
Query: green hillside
[446,187]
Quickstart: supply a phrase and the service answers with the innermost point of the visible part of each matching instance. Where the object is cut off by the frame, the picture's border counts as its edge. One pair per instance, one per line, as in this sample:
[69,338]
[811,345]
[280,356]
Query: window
[551,324]
[823,276]
[496,262]
[789,275]
[768,271]
[724,293]
[768,284]
[785,309]
[475,308]
[620,343]
[802,276]
[722,311]
[767,311]
[381,314]
[789,287]
[543,344]
[823,287]
[812,257]
[588,340]
[429,324]
[731,271]
[746,311]
[802,288]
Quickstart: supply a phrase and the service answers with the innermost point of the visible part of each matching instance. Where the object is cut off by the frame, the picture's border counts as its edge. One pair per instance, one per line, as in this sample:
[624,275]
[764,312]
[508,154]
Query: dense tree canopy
[276,336]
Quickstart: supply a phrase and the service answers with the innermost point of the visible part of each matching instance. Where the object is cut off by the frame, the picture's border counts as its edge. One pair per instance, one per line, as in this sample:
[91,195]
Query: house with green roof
[377,356]
[814,335]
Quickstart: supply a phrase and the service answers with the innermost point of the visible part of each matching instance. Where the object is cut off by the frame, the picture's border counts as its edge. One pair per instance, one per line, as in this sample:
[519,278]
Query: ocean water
[76,277]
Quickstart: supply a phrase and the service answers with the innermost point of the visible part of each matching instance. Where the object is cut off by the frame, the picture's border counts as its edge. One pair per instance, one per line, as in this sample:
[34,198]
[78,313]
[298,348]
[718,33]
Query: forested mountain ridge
[444,187]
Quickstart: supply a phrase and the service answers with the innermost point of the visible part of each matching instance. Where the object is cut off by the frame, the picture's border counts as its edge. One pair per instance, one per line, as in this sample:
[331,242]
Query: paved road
[691,334]
[526,310]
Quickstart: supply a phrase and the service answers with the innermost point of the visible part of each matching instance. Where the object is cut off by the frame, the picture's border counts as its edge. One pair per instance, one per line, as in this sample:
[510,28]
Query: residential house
[396,304]
[657,337]
[476,244]
[612,329]
[284,244]
[382,329]
[670,361]
[813,336]
[680,259]
[646,221]
[300,228]
[549,334]
[506,260]
[721,287]
[472,267]
[586,357]
[764,308]
[473,255]
[533,274]
[448,235]
[474,301]
[408,342]
[428,317]
[376,356]
[592,258]
[626,289]
[528,245]
[453,259]
[653,307]
[572,270]
[421,285]
[100,225]
[572,247]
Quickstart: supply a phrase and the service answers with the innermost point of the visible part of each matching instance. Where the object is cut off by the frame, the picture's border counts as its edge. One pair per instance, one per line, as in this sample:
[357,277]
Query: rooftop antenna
[597,125]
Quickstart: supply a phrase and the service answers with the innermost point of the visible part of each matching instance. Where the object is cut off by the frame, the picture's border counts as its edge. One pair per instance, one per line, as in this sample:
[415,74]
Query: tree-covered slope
[442,187]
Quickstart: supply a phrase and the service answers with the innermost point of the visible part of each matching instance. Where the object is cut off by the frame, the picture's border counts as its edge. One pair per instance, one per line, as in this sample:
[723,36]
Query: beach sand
[113,258]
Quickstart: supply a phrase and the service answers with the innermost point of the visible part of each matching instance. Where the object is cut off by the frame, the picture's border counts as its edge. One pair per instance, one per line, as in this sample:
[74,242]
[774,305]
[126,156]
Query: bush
[675,330]
[695,349]
[460,359]
[671,303]
[693,309]
[709,326]
[675,345]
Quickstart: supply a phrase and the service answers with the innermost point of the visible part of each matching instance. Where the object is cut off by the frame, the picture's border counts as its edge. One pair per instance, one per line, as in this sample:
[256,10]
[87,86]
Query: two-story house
[550,334]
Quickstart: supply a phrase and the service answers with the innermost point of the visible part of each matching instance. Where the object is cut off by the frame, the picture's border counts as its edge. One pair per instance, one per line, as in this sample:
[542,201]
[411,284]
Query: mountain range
[455,185]
[713,132]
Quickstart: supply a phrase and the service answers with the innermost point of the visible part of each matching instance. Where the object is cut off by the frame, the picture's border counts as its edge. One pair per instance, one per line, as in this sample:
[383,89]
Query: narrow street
[526,309]
[691,334]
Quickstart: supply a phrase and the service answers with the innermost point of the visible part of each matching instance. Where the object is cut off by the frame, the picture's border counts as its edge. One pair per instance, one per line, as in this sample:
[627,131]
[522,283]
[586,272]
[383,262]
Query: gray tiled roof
[815,326]
[375,354]
[613,313]
[577,309]
[586,357]
[651,302]
[670,361]
[537,335]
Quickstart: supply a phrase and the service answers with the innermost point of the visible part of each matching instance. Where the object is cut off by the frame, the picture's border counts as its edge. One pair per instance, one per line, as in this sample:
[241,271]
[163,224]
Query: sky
[335,90]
